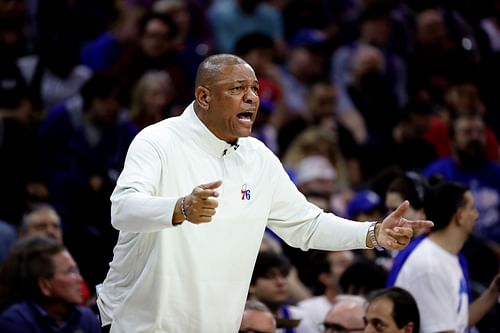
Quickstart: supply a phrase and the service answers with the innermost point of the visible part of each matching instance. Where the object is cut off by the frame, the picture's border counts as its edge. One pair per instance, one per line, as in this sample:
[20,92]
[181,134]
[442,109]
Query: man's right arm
[136,206]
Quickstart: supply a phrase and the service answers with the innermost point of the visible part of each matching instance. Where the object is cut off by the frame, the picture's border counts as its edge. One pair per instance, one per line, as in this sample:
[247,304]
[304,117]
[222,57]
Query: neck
[450,239]
[331,293]
[59,312]
[203,118]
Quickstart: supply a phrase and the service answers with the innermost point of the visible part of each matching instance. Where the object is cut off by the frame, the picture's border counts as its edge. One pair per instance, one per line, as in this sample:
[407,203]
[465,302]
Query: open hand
[396,232]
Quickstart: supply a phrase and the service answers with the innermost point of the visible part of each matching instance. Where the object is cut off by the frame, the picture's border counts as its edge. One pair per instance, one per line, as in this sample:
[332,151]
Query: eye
[236,90]
[255,89]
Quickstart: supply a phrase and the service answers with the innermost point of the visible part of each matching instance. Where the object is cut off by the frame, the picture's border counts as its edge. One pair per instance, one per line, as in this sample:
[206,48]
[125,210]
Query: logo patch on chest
[245,192]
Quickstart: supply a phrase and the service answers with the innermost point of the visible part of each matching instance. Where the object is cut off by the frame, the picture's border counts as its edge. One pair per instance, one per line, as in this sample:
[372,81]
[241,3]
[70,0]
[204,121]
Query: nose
[369,328]
[251,96]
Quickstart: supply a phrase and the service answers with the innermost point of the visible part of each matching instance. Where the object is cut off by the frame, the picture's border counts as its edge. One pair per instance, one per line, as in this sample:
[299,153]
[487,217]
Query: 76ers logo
[245,192]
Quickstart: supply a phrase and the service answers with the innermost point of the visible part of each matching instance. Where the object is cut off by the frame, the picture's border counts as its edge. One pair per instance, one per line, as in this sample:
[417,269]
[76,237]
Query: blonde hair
[137,105]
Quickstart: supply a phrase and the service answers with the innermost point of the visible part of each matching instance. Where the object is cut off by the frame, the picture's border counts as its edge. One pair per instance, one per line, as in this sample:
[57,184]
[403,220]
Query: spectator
[304,65]
[257,318]
[326,267]
[346,315]
[318,131]
[40,290]
[365,205]
[55,73]
[392,310]
[83,145]
[469,165]
[352,281]
[152,99]
[411,146]
[230,20]
[409,186]
[43,220]
[155,49]
[194,39]
[101,53]
[434,272]
[270,286]
[374,56]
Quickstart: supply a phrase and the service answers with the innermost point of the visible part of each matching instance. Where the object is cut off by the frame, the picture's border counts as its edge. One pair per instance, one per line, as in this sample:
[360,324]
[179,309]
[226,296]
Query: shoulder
[439,165]
[162,129]
[87,316]
[18,315]
[252,146]
[313,303]
[426,259]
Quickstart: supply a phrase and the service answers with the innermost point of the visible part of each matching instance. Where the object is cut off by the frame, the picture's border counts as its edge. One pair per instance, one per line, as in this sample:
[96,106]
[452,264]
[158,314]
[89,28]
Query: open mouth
[245,116]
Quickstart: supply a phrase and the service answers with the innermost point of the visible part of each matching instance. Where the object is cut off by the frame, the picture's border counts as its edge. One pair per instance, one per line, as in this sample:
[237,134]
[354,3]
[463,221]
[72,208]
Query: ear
[324,278]
[45,286]
[251,290]
[409,328]
[202,96]
[459,216]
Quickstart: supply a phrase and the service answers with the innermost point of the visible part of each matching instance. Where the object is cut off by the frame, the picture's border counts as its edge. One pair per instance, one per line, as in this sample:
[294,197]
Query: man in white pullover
[192,203]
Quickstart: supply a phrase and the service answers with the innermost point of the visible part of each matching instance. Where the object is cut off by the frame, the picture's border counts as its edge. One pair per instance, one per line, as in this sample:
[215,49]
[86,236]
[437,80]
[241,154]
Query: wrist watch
[373,236]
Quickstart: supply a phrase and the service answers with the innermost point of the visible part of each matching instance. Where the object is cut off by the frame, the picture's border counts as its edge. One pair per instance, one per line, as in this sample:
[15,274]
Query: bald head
[211,67]
[347,311]
[258,317]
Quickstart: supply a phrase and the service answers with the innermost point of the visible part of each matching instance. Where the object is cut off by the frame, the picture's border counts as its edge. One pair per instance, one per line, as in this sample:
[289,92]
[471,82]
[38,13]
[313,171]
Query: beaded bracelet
[183,211]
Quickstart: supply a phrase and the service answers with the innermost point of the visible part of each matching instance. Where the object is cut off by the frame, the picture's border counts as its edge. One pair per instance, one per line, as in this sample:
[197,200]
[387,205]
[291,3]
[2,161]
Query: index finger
[211,185]
[205,193]
[417,224]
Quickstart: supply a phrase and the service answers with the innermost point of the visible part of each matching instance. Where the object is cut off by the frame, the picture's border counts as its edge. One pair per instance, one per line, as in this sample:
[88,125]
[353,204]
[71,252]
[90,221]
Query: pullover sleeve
[304,225]
[135,204]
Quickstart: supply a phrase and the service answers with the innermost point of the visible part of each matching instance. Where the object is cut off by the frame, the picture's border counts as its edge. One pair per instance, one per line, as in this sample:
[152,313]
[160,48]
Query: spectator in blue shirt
[40,289]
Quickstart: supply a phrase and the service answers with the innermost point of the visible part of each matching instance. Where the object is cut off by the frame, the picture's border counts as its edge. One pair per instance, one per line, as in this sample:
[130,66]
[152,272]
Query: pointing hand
[200,205]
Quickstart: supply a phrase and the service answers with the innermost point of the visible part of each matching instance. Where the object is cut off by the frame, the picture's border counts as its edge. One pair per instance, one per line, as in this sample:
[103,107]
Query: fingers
[211,186]
[399,212]
[200,205]
[207,190]
[401,236]
[395,244]
[395,238]
[416,224]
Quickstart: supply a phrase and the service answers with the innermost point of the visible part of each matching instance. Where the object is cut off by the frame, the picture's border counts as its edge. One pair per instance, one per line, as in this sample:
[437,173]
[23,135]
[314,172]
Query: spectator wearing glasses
[40,289]
[392,310]
[257,318]
[345,316]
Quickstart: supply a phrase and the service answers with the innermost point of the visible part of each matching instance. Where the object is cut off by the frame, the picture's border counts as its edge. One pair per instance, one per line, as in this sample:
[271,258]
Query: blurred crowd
[366,102]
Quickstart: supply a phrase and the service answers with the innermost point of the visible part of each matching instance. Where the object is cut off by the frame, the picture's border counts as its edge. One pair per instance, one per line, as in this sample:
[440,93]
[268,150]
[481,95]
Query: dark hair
[166,19]
[442,203]
[354,279]
[252,41]
[318,264]
[266,260]
[28,260]
[412,187]
[404,310]
[377,11]
[100,85]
